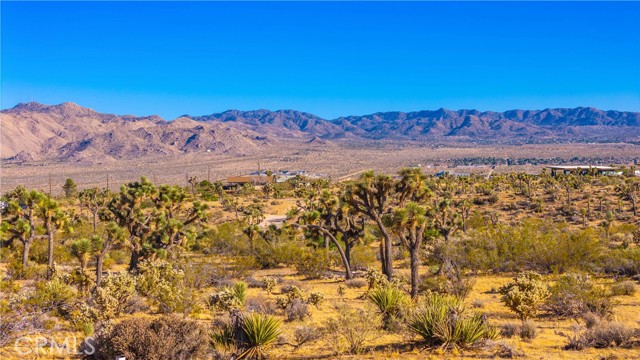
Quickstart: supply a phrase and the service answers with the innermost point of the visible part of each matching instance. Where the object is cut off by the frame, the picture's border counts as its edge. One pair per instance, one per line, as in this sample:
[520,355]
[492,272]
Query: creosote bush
[576,294]
[165,337]
[525,294]
[624,288]
[602,335]
[351,329]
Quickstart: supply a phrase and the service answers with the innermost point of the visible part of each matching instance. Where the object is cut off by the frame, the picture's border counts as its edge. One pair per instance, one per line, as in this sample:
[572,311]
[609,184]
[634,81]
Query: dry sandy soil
[337,162]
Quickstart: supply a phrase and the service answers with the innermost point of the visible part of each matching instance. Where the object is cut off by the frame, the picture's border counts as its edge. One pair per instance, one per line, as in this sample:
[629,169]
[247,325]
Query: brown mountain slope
[69,132]
[33,131]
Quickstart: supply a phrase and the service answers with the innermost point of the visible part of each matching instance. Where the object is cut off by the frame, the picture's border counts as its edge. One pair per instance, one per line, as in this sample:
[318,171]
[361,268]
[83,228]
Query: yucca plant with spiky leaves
[390,302]
[261,332]
[442,321]
[240,290]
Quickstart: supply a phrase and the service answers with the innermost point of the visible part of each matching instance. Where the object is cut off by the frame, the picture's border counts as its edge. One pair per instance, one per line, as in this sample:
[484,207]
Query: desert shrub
[363,256]
[52,295]
[165,337]
[296,310]
[455,285]
[351,329]
[355,283]
[290,293]
[528,331]
[312,264]
[260,304]
[230,297]
[509,330]
[375,278]
[575,294]
[269,284]
[305,334]
[525,294]
[114,295]
[624,288]
[391,303]
[506,350]
[624,262]
[163,284]
[442,321]
[532,244]
[315,298]
[602,335]
[16,321]
[477,304]
[590,319]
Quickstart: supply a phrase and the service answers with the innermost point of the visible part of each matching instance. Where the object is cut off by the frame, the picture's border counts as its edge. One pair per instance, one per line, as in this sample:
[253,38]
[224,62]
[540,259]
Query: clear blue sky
[328,58]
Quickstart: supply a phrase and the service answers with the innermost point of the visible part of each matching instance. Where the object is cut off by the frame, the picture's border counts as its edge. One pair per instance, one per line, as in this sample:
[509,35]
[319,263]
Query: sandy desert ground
[336,162]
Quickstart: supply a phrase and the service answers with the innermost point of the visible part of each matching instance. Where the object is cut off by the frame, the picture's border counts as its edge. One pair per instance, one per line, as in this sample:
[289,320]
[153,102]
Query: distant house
[582,169]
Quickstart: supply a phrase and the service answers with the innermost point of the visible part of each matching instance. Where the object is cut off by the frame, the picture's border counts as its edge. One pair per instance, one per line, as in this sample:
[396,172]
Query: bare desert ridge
[43,144]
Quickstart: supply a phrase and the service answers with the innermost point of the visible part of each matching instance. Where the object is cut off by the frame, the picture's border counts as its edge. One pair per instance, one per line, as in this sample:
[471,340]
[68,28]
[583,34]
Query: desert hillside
[33,131]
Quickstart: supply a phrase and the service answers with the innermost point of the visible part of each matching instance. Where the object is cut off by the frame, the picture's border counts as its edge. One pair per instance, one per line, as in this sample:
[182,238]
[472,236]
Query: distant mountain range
[33,131]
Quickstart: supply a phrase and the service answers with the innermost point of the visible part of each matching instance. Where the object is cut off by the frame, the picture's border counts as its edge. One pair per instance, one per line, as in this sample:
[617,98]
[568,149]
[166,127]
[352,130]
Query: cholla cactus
[525,294]
[269,284]
[315,299]
[225,300]
[291,294]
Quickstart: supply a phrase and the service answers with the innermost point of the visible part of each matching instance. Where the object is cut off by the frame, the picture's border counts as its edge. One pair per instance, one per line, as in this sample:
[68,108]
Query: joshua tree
[54,219]
[21,208]
[410,223]
[630,190]
[114,237]
[155,218]
[95,200]
[334,218]
[253,215]
[372,195]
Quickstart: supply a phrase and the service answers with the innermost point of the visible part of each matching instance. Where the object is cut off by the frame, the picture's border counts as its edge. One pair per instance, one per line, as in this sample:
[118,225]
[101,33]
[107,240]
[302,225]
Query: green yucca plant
[390,302]
[261,331]
[240,290]
[442,321]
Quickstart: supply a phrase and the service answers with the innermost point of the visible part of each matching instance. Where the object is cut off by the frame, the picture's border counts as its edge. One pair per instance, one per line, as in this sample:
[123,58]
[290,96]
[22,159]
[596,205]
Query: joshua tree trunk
[25,253]
[414,251]
[99,262]
[385,250]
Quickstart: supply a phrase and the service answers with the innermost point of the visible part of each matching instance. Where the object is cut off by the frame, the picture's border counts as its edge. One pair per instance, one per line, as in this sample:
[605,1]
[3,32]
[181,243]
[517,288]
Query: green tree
[70,188]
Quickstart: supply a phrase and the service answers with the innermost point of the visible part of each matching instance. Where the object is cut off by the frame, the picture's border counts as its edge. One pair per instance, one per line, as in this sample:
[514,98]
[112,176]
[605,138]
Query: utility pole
[107,182]
[49,184]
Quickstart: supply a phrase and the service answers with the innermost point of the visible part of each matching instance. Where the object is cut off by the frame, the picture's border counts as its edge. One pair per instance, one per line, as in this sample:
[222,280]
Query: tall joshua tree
[155,218]
[101,245]
[94,200]
[21,220]
[334,218]
[54,219]
[372,195]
